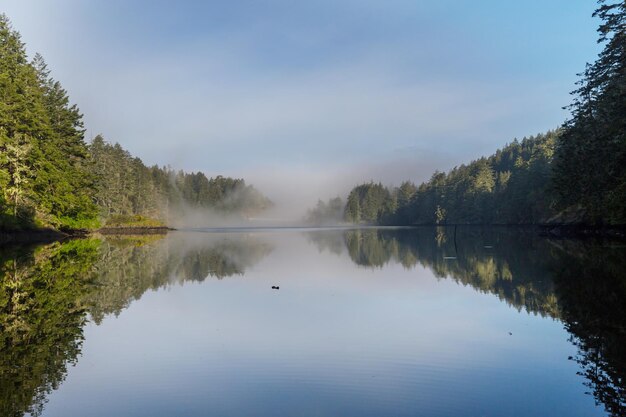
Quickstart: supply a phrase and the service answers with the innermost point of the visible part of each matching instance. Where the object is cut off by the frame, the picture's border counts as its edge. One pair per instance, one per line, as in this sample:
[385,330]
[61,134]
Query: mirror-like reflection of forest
[581,283]
[48,293]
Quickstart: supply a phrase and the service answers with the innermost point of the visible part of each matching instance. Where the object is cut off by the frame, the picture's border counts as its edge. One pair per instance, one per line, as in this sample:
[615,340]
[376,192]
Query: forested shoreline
[575,175]
[51,178]
[511,186]
[125,187]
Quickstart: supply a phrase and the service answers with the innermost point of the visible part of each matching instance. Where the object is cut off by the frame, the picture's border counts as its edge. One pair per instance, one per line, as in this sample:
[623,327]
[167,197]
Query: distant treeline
[510,187]
[576,174]
[125,186]
[49,176]
[326,213]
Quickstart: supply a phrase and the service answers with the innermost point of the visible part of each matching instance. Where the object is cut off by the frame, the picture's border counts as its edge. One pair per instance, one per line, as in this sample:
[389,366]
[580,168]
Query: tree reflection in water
[47,295]
[42,315]
[580,283]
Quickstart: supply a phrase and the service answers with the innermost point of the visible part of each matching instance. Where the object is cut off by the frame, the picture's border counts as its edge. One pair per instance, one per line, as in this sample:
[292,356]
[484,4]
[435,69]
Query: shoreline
[555,231]
[30,236]
[134,230]
[8,237]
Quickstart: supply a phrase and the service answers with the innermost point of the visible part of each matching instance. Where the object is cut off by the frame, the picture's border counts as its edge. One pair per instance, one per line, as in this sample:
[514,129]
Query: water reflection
[581,283]
[590,282]
[42,314]
[128,266]
[48,293]
[514,265]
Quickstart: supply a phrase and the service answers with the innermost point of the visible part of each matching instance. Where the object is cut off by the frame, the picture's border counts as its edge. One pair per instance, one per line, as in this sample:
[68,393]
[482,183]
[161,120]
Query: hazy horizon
[305,100]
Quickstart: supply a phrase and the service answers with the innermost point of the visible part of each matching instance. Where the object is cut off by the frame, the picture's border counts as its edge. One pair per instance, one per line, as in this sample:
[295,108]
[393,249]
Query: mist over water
[294,189]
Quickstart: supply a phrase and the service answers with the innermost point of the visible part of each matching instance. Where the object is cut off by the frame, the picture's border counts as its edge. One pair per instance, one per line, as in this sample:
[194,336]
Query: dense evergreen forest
[49,175]
[576,174]
[590,159]
[124,186]
[510,187]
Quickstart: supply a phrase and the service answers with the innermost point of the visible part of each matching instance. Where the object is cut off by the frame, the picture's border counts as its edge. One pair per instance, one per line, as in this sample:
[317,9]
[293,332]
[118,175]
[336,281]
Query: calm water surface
[371,322]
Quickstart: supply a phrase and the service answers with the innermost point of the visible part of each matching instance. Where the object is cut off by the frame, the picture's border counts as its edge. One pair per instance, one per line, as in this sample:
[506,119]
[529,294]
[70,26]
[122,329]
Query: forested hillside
[511,186]
[590,159]
[43,177]
[124,186]
[50,177]
[576,174]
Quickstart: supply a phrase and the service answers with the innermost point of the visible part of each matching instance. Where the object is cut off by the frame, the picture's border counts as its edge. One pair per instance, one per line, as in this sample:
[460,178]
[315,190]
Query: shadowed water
[367,322]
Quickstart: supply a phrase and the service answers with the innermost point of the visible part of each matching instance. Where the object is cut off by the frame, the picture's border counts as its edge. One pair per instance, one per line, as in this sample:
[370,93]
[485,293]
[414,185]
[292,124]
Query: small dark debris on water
[274,287]
[510,334]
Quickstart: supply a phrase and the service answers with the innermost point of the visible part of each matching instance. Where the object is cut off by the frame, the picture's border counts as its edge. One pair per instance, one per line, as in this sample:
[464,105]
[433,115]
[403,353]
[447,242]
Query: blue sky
[313,90]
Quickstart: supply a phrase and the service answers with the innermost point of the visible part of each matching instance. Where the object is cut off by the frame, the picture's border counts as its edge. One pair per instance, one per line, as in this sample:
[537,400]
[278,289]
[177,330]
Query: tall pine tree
[590,168]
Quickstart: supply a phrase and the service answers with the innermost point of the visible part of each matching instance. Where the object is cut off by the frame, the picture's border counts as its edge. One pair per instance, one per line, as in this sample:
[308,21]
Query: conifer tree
[590,169]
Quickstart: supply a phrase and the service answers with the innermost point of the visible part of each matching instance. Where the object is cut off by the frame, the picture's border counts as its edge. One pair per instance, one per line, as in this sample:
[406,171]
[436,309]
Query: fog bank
[296,188]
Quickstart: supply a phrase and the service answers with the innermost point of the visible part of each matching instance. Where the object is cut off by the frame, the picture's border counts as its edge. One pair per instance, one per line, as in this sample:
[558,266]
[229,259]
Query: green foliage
[510,187]
[126,187]
[42,153]
[132,221]
[574,175]
[369,203]
[220,193]
[41,320]
[590,168]
[50,177]
[80,223]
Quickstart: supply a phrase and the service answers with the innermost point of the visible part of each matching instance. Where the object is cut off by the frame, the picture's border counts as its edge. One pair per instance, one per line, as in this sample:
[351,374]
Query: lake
[365,322]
